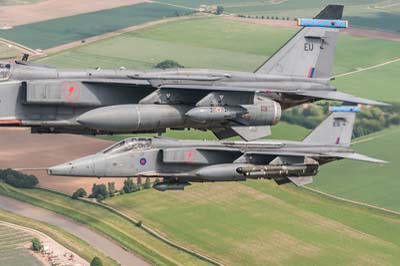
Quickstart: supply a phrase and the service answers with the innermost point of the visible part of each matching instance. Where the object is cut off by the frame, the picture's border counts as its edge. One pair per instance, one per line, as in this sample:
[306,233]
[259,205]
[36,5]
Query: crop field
[259,223]
[8,52]
[122,231]
[213,43]
[16,2]
[370,183]
[13,248]
[381,83]
[50,33]
[69,241]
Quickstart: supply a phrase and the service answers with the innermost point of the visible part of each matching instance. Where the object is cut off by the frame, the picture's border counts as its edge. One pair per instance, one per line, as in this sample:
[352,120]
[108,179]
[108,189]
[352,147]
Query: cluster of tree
[18,179]
[369,120]
[168,64]
[264,17]
[130,186]
[96,261]
[101,191]
[36,244]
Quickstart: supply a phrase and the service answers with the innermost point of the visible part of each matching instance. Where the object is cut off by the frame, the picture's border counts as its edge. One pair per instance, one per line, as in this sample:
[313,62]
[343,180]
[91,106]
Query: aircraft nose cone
[75,168]
[61,169]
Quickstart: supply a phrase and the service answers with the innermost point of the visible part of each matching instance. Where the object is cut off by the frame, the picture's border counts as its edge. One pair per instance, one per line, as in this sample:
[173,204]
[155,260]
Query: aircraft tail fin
[336,129]
[310,52]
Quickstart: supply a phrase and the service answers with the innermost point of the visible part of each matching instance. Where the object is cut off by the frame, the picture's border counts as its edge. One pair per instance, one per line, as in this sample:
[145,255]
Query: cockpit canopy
[128,144]
[4,71]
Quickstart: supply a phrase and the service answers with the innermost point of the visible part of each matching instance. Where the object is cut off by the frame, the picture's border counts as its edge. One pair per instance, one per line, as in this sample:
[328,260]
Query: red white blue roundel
[142,161]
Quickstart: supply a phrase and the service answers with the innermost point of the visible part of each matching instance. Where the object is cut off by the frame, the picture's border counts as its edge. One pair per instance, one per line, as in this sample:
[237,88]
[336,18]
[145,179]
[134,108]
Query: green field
[370,183]
[375,14]
[50,33]
[16,2]
[121,230]
[8,52]
[64,238]
[251,223]
[13,248]
[259,223]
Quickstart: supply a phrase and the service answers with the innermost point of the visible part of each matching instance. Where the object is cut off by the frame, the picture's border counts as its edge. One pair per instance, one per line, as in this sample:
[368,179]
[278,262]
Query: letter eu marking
[308,47]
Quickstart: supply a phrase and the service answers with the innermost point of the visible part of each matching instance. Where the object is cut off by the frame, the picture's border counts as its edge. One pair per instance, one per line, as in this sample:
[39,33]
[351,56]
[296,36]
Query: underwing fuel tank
[163,186]
[134,117]
[273,171]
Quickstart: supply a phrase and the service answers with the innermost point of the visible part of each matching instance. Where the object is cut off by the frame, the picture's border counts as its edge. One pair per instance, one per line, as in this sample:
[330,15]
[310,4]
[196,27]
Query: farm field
[67,240]
[379,83]
[14,245]
[99,219]
[369,183]
[8,52]
[259,223]
[16,2]
[50,33]
[374,14]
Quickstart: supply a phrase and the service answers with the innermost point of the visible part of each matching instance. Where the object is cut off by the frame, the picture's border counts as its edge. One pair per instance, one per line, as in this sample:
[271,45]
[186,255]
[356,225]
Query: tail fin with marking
[336,129]
[309,53]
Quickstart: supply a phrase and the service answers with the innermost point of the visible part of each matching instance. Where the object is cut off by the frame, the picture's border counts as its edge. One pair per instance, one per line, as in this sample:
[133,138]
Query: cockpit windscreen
[128,144]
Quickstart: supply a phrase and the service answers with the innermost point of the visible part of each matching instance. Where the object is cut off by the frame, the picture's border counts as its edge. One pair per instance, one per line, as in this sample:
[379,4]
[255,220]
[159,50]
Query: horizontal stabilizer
[358,157]
[340,96]
[250,133]
[301,181]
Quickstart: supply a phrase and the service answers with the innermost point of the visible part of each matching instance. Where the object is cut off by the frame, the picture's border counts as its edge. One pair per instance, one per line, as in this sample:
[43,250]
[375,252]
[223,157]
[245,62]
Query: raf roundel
[142,161]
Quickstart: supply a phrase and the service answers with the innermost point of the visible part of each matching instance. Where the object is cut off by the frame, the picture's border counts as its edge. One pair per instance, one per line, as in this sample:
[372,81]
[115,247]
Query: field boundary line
[351,201]
[108,35]
[368,68]
[20,47]
[173,5]
[153,232]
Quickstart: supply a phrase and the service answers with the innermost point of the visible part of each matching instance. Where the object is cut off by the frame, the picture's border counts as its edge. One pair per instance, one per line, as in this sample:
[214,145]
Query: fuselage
[186,159]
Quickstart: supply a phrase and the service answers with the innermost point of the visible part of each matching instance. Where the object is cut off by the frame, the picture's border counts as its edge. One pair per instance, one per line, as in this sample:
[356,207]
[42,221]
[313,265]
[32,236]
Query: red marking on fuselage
[71,91]
[189,156]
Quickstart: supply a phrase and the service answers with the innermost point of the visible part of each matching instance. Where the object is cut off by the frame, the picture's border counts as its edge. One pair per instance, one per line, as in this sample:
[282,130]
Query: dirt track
[21,149]
[50,9]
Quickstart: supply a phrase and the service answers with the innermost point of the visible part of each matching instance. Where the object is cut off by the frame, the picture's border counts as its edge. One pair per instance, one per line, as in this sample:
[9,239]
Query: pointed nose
[84,167]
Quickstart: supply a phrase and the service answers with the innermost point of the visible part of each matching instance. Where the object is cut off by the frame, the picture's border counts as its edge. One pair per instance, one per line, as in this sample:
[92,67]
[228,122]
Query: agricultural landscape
[246,223]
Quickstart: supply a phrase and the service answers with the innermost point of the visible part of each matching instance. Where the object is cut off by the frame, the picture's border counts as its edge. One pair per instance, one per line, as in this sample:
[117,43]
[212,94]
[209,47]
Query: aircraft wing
[356,156]
[341,155]
[339,96]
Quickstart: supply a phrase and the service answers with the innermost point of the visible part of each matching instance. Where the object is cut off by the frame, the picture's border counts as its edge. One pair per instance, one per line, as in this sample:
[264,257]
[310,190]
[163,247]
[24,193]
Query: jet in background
[182,161]
[95,101]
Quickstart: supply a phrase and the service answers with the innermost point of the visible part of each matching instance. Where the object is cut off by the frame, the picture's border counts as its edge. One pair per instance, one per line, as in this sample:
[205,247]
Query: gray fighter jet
[96,101]
[181,161]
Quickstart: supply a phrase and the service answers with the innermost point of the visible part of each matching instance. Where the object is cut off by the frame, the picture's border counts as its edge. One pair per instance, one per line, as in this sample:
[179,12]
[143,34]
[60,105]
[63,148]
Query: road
[96,240]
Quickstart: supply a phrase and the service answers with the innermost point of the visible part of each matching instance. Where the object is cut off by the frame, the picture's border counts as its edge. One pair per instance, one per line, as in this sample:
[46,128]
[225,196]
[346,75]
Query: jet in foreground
[229,103]
[182,161]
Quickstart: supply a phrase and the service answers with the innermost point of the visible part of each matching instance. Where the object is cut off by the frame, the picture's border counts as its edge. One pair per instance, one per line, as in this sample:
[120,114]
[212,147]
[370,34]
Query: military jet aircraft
[182,161]
[229,103]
